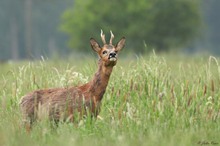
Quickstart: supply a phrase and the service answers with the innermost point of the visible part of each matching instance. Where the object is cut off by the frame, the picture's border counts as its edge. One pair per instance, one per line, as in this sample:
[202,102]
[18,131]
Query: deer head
[108,53]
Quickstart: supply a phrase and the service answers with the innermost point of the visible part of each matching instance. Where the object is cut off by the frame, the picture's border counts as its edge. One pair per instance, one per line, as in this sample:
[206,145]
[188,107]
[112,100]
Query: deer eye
[104,52]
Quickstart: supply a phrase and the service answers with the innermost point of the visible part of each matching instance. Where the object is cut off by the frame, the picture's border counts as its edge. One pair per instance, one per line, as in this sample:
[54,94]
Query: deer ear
[120,44]
[95,46]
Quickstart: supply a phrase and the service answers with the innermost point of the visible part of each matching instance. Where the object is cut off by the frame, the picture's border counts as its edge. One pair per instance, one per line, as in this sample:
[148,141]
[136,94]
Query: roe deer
[64,103]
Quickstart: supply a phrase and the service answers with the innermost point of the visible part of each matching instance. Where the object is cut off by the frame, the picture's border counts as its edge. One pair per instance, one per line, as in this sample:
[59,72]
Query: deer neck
[100,81]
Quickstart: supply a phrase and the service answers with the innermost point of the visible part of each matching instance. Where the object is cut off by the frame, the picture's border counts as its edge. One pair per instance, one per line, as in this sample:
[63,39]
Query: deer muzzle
[112,56]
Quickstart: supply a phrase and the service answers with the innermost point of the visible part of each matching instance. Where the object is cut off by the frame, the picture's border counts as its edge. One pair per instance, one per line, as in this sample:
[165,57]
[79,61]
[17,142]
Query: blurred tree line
[162,24]
[31,28]
[211,15]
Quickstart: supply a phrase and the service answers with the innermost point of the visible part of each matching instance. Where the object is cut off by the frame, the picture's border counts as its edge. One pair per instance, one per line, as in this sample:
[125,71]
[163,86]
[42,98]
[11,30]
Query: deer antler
[103,37]
[112,37]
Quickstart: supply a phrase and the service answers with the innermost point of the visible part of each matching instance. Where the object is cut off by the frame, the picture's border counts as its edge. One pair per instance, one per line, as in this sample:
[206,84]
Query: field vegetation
[150,100]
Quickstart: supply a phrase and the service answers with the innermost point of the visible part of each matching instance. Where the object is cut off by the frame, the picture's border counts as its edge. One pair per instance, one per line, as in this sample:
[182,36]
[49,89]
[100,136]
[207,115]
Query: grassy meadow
[150,101]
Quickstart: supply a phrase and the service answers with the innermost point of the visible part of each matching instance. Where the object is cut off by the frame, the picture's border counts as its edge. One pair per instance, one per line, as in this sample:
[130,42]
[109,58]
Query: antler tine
[112,37]
[103,37]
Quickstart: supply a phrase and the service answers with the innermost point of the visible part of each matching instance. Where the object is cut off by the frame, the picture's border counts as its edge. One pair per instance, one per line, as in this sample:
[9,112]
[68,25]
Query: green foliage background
[161,24]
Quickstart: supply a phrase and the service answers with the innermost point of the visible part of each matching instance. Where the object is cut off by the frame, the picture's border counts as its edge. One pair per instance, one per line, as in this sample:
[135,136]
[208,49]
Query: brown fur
[64,103]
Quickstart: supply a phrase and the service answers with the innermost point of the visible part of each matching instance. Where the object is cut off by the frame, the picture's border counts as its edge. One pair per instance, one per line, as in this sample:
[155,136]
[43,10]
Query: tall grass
[149,101]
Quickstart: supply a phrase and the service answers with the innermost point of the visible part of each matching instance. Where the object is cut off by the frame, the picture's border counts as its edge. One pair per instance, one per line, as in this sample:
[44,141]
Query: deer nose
[112,54]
